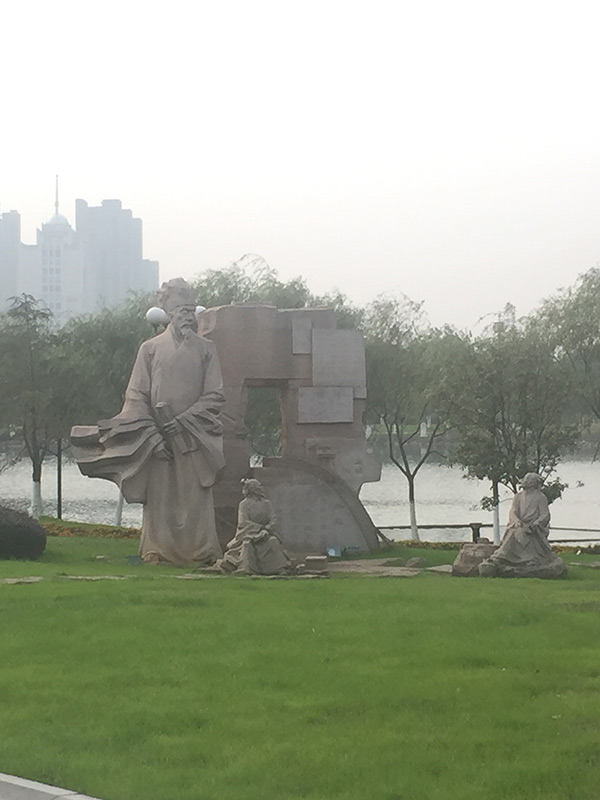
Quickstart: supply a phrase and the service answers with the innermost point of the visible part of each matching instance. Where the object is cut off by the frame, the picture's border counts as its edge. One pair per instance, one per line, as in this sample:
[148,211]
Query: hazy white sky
[447,150]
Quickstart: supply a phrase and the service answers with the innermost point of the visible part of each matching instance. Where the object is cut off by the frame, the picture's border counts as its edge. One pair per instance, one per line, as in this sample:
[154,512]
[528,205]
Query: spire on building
[57,219]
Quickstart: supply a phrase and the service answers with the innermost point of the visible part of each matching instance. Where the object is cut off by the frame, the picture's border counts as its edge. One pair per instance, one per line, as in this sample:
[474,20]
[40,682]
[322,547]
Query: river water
[443,495]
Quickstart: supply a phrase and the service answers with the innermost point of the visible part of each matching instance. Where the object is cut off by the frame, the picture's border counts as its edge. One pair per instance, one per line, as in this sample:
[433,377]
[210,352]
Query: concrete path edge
[13,788]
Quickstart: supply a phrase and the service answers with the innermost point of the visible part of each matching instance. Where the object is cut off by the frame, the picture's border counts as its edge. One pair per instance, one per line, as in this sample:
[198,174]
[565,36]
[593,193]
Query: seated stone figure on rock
[256,548]
[525,551]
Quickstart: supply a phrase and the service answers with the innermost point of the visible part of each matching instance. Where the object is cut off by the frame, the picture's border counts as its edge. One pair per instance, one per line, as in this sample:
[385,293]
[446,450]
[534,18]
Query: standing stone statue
[525,551]
[165,448]
[256,547]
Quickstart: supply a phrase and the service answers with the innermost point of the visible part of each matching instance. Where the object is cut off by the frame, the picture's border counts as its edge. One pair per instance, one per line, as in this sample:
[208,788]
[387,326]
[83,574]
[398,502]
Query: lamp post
[156,317]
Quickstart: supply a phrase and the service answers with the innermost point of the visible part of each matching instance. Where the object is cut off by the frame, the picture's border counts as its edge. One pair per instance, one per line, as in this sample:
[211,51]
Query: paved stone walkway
[13,788]
[372,566]
[381,567]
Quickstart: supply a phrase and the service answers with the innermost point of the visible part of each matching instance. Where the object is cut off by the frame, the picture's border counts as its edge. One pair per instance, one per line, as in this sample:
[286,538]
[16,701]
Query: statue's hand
[172,427]
[163,452]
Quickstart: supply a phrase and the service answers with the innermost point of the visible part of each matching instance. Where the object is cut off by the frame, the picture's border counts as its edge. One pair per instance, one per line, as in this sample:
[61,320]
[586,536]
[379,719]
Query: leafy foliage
[509,406]
[263,420]
[570,321]
[37,384]
[100,350]
[250,280]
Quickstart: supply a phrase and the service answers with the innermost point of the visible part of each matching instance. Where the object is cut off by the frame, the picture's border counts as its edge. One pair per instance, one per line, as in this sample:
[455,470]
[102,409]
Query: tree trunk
[59,478]
[119,511]
[496,510]
[36,499]
[414,530]
[36,488]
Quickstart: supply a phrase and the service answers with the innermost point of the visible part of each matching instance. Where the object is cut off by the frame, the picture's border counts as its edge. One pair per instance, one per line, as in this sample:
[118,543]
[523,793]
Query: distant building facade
[77,271]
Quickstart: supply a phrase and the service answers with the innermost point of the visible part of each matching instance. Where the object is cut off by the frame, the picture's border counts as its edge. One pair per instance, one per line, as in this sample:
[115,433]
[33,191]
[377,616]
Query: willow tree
[570,324]
[509,408]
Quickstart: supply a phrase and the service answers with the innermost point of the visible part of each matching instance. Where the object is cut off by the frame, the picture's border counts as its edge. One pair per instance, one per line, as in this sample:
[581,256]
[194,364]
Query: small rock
[441,569]
[198,576]
[97,577]
[415,563]
[470,557]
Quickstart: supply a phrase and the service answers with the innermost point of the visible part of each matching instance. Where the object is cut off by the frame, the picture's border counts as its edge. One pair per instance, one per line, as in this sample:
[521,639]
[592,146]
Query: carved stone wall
[320,371]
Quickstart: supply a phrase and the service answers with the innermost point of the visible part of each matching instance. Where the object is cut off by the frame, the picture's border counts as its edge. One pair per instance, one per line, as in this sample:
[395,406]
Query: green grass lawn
[428,688]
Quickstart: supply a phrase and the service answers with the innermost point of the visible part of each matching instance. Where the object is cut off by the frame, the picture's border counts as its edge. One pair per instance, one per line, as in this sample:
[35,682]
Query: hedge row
[113,532]
[91,531]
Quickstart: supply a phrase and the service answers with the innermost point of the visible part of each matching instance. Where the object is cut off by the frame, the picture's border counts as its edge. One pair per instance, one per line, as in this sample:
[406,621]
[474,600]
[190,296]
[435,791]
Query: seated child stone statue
[256,548]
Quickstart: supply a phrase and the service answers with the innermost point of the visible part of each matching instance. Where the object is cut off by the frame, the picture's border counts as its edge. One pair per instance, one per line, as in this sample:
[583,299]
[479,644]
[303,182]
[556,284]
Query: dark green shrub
[20,535]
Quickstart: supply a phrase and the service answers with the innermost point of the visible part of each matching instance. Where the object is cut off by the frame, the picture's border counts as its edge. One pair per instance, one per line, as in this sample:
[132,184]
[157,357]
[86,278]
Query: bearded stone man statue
[165,448]
[525,551]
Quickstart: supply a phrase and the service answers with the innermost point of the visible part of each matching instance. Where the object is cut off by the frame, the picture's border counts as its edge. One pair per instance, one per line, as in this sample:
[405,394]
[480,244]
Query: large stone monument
[165,448]
[319,371]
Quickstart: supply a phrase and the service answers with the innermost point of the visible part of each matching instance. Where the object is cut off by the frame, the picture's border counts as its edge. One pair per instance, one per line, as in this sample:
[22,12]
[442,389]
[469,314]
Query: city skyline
[75,270]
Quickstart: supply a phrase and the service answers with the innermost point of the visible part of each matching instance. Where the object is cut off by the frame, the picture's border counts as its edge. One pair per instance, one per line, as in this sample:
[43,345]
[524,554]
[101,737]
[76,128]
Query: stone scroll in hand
[164,414]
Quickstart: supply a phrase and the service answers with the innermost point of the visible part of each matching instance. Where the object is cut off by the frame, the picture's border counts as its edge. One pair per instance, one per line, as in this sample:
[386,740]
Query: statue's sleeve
[543,518]
[137,395]
[126,442]
[514,513]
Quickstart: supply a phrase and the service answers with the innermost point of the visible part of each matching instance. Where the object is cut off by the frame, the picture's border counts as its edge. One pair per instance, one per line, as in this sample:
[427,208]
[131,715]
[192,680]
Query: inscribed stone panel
[338,359]
[325,404]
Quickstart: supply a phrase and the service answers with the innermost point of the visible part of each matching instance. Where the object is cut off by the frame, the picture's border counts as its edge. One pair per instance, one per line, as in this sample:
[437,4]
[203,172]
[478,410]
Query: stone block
[316,563]
[338,359]
[470,557]
[325,404]
[301,334]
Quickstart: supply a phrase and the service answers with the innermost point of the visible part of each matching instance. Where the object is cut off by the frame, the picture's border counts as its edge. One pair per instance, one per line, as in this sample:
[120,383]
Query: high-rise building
[76,271]
[10,246]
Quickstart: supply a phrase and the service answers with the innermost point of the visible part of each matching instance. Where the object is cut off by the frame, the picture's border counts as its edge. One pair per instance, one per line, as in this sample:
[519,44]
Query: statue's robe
[171,475]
